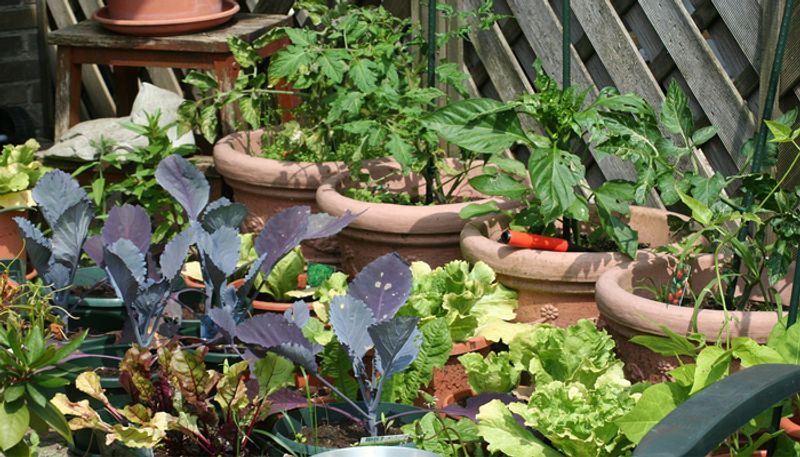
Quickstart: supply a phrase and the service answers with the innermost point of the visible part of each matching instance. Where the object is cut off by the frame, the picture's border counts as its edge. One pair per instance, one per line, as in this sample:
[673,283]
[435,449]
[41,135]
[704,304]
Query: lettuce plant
[466,298]
[68,211]
[19,172]
[579,392]
[123,250]
[214,231]
[364,321]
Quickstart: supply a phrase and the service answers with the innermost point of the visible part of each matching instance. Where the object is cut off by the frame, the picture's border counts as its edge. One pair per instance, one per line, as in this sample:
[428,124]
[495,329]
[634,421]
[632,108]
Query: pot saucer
[167,27]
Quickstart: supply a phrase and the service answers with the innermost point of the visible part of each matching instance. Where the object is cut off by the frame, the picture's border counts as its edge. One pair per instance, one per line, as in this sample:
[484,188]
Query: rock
[81,141]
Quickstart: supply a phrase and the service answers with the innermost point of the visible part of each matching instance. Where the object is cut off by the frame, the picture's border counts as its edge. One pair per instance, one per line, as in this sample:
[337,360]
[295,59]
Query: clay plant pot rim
[539,264]
[194,284]
[791,428]
[242,168]
[229,8]
[620,307]
[275,307]
[474,344]
[406,219]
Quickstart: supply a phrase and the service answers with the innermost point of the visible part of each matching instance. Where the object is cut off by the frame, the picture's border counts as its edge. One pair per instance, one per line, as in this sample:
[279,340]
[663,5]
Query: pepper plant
[766,252]
[552,187]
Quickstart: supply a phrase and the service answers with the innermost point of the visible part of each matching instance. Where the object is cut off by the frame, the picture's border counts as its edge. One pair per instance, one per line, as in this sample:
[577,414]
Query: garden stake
[566,16]
[758,157]
[430,169]
[761,142]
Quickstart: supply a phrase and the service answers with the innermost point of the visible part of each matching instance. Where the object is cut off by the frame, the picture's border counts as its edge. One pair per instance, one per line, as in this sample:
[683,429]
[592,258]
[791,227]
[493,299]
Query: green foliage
[361,82]
[711,363]
[466,298]
[139,185]
[495,373]
[31,364]
[579,393]
[179,403]
[767,205]
[444,436]
[19,172]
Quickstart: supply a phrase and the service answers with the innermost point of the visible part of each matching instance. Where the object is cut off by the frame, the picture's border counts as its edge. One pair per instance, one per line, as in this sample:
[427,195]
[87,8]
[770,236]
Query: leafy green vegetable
[579,392]
[466,298]
[19,172]
[495,373]
[444,436]
[504,434]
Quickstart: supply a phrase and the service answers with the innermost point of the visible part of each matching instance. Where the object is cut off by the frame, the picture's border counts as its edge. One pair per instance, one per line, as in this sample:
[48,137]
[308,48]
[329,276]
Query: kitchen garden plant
[179,405]
[704,288]
[33,354]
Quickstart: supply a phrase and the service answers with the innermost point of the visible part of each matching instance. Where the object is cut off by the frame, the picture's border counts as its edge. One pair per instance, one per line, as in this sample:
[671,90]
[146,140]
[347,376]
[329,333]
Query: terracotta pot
[428,233]
[626,314]
[266,186]
[451,379]
[555,286]
[153,10]
[791,426]
[455,397]
[275,307]
[11,244]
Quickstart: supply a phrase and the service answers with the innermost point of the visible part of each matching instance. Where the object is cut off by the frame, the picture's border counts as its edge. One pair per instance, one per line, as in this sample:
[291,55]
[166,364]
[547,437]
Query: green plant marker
[319,273]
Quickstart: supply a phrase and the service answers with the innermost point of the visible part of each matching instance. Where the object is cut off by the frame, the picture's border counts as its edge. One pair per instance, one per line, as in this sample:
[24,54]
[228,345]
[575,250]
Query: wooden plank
[716,93]
[491,46]
[620,56]
[271,6]
[94,85]
[742,18]
[246,26]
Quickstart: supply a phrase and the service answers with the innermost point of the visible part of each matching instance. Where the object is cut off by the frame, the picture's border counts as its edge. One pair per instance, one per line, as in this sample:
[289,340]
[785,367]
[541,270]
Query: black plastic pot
[105,356]
[293,421]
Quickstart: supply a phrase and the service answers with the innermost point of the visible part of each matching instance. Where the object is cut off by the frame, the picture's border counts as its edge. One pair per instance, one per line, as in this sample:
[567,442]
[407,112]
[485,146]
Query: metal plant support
[430,169]
[566,16]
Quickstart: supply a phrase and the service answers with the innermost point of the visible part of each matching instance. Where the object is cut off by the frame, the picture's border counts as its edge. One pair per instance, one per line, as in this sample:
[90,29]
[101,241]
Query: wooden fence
[712,48]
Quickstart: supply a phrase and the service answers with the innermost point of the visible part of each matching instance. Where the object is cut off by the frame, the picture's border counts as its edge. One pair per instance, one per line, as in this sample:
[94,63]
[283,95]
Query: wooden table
[88,43]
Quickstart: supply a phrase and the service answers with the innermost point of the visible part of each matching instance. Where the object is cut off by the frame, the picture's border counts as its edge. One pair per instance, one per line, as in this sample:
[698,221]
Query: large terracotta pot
[11,244]
[626,314]
[427,233]
[153,10]
[267,186]
[555,287]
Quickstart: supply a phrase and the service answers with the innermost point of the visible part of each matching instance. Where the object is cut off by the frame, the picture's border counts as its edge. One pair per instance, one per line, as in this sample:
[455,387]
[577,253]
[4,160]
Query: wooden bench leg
[126,86]
[226,71]
[68,92]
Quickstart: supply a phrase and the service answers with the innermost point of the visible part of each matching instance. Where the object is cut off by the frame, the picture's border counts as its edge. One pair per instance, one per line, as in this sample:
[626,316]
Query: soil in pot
[337,436]
[295,421]
[556,287]
[627,310]
[417,232]
[267,186]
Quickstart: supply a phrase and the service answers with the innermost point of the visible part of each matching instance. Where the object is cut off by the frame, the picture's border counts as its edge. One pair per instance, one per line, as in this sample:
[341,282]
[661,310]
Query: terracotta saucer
[167,27]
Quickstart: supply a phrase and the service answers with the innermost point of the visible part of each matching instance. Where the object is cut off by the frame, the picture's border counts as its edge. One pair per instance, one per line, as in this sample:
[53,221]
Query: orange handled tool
[545,243]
